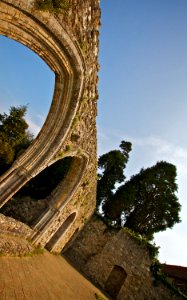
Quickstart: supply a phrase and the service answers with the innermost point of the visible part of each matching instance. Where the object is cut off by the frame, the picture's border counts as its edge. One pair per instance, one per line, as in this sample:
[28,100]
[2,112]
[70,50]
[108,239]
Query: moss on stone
[53,5]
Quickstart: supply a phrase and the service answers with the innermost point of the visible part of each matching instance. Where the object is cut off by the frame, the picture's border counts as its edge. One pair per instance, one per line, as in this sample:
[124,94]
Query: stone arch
[115,281]
[60,197]
[43,35]
[60,232]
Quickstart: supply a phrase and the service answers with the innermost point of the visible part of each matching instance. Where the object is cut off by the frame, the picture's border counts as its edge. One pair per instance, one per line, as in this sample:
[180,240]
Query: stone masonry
[67,41]
[116,262]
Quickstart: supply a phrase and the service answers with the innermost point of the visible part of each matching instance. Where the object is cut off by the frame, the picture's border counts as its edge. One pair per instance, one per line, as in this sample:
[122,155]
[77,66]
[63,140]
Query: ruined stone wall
[13,236]
[98,251]
[82,20]
[68,42]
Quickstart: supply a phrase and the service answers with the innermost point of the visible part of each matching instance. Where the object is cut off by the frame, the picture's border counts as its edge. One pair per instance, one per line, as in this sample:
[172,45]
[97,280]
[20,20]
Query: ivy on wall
[160,277]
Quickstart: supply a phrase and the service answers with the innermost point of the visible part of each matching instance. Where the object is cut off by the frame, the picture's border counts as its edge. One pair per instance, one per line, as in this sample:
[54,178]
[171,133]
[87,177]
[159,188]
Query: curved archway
[60,232]
[51,42]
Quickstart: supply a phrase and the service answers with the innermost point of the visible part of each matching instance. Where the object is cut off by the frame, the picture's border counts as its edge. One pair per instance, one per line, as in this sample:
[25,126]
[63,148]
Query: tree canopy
[14,136]
[147,203]
[112,165]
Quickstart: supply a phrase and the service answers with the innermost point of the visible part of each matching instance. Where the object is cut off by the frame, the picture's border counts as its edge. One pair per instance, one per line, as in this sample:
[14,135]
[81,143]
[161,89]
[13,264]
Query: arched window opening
[25,102]
[59,52]
[24,77]
[59,233]
[115,281]
[32,200]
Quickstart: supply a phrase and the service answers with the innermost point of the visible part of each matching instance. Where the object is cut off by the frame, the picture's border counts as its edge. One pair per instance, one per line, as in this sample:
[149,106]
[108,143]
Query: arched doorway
[115,281]
[59,233]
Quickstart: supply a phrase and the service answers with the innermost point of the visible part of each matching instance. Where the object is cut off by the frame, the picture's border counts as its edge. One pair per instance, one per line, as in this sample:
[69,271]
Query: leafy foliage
[14,136]
[112,164]
[146,203]
[152,248]
[98,297]
[160,277]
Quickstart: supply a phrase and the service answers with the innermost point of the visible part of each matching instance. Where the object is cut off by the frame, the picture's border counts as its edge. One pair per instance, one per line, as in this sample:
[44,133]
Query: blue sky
[143,93]
[25,80]
[142,88]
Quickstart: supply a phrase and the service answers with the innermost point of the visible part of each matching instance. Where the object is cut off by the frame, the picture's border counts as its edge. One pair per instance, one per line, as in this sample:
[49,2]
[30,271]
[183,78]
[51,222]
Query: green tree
[147,203]
[112,165]
[14,136]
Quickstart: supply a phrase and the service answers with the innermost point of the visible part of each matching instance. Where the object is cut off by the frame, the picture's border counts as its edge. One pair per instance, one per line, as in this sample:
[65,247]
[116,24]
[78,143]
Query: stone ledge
[14,227]
[12,245]
[13,237]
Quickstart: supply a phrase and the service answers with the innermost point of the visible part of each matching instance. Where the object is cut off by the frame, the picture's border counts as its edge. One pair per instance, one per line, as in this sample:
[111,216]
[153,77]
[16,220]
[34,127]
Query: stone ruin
[116,262]
[67,40]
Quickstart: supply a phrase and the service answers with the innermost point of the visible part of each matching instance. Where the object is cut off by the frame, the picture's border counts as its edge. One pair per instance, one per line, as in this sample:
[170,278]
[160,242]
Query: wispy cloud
[164,150]
[161,146]
[105,141]
[35,121]
[155,147]
[33,127]
[40,118]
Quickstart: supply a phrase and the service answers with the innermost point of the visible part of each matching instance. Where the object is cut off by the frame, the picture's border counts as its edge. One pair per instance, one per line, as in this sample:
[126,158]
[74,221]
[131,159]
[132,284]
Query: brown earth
[37,277]
[43,277]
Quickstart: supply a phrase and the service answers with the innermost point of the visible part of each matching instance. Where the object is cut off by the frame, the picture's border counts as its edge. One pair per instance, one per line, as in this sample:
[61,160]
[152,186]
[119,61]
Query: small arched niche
[115,281]
[60,232]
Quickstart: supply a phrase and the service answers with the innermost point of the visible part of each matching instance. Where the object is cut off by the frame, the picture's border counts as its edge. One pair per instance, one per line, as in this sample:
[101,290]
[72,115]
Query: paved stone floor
[43,277]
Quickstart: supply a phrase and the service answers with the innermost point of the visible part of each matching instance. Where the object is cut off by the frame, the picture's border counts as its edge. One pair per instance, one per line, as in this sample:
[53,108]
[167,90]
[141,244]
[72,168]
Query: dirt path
[43,277]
